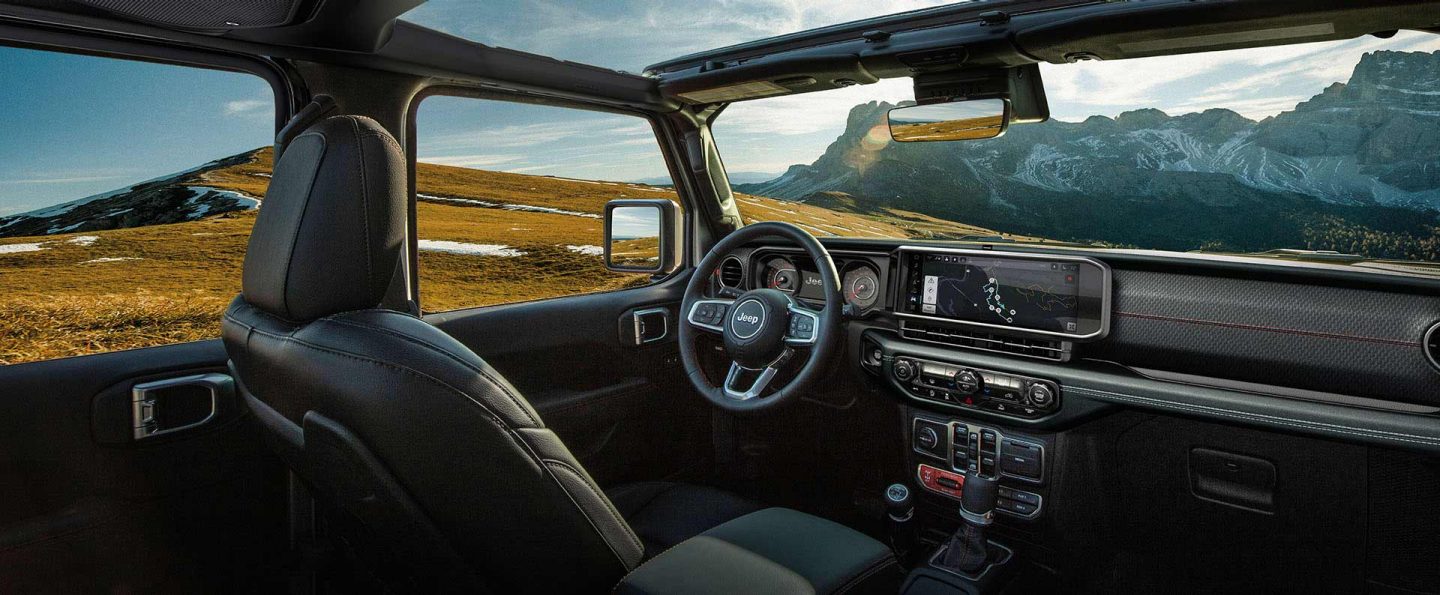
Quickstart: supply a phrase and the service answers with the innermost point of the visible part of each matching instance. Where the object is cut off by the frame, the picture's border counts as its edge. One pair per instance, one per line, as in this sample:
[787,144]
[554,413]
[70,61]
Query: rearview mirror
[642,236]
[974,119]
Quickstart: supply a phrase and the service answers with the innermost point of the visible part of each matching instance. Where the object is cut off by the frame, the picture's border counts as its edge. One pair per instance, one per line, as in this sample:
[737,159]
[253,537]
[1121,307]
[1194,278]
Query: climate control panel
[963,386]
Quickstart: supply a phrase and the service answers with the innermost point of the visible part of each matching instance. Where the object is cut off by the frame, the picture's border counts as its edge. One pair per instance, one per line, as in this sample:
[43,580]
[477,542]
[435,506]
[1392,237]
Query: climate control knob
[967,380]
[904,369]
[1041,395]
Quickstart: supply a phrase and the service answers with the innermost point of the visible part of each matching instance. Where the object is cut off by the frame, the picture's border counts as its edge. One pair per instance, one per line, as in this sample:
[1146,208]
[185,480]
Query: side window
[511,198]
[127,192]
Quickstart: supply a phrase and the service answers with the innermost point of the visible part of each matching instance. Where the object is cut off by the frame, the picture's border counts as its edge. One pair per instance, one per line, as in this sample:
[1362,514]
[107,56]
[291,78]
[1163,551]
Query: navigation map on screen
[1027,294]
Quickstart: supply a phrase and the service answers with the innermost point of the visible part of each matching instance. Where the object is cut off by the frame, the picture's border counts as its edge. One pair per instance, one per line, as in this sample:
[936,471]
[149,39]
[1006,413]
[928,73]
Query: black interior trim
[1090,382]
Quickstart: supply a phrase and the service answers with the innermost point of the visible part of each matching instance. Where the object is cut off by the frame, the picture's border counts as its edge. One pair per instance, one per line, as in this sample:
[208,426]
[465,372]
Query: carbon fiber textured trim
[1333,339]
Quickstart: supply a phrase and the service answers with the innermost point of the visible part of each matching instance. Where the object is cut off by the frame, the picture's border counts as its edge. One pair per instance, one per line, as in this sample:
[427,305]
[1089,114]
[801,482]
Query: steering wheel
[762,328]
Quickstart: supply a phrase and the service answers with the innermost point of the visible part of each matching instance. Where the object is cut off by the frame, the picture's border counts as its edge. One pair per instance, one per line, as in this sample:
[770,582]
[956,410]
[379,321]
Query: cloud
[1256,82]
[772,134]
[632,34]
[249,107]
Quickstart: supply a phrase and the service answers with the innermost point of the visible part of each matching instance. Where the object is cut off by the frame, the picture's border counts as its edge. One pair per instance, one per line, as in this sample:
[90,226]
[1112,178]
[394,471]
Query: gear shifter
[899,511]
[968,549]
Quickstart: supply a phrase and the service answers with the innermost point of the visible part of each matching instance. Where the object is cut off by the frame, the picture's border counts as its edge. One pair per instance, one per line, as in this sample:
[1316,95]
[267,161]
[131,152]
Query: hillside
[156,262]
[1352,169]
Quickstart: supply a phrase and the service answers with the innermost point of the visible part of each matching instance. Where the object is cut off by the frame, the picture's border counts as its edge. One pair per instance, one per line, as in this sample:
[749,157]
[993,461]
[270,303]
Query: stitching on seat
[598,531]
[364,202]
[634,540]
[342,319]
[490,414]
[416,373]
[637,566]
[295,232]
[1244,415]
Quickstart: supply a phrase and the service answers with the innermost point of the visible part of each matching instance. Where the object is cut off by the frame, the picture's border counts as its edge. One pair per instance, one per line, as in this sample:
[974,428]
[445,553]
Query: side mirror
[974,119]
[642,236]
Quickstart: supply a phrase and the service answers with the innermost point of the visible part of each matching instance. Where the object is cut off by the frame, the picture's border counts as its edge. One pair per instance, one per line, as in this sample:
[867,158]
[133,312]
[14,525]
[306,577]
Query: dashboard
[1043,337]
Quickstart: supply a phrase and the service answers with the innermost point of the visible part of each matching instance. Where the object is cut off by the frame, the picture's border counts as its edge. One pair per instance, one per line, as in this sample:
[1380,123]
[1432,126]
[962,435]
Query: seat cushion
[665,513]
[775,550]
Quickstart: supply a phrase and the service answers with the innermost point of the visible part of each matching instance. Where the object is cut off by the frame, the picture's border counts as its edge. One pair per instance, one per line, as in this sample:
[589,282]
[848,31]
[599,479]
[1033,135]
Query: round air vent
[1432,345]
[732,273]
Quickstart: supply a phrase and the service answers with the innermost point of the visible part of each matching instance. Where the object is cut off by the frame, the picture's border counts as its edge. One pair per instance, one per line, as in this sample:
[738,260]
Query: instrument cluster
[861,281]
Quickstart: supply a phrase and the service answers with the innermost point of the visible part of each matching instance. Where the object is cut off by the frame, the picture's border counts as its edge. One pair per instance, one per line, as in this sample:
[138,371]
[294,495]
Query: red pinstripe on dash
[1272,329]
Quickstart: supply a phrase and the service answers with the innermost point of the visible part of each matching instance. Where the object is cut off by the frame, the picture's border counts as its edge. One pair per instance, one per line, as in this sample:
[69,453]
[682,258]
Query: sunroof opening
[629,35]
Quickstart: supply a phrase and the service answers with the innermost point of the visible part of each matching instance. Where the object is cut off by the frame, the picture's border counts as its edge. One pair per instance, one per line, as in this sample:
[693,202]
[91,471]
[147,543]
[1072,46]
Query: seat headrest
[332,226]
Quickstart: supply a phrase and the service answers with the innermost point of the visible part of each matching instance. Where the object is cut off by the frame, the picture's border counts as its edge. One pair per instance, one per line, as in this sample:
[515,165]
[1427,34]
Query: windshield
[1323,146]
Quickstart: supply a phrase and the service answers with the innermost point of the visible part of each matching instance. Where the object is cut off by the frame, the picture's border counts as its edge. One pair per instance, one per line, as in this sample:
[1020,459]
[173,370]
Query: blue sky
[76,126]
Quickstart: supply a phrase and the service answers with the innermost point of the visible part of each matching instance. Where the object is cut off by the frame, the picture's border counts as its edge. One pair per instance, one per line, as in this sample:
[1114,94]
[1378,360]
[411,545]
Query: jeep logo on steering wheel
[748,318]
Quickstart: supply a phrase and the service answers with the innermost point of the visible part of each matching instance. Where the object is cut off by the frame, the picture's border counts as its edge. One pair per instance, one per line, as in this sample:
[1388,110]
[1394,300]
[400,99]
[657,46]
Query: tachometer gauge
[862,287]
[781,274]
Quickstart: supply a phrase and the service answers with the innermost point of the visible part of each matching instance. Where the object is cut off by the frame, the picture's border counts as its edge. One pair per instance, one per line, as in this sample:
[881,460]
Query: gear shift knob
[898,502]
[977,501]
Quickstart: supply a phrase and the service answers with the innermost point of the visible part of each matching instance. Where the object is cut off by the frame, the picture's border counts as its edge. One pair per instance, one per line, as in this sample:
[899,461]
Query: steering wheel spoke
[760,383]
[709,314]
[761,328]
[804,326]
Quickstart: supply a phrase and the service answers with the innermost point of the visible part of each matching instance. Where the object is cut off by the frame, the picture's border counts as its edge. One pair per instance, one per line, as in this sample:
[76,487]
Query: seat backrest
[385,417]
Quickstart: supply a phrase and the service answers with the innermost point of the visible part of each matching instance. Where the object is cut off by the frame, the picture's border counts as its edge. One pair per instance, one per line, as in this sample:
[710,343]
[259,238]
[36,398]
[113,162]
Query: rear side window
[127,193]
[511,196]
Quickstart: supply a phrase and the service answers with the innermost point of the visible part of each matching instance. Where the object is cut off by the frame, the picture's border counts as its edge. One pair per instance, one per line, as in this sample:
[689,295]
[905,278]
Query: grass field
[485,237]
[972,129]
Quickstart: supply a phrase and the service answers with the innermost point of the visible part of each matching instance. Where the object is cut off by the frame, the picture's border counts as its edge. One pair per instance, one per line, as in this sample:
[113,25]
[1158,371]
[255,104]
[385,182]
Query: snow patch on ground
[468,249]
[112,259]
[586,250]
[17,248]
[83,240]
[201,209]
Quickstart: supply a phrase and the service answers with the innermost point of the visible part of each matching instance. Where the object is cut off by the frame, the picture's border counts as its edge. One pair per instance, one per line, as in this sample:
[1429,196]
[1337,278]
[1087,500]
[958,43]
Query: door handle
[175,404]
[649,325]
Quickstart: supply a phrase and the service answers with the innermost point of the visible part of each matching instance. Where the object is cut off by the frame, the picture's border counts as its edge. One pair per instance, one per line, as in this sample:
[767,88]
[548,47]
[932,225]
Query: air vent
[732,273]
[1432,345]
[1050,349]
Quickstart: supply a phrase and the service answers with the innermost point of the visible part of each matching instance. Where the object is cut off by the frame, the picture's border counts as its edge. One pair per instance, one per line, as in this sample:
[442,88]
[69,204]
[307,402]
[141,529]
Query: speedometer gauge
[781,274]
[862,287]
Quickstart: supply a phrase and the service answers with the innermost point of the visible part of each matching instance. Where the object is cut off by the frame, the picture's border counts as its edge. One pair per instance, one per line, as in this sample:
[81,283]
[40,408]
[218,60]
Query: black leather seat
[439,471]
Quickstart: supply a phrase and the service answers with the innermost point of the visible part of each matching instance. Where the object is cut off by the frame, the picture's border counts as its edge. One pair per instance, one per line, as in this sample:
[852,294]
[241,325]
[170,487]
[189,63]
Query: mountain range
[1355,168]
[190,195]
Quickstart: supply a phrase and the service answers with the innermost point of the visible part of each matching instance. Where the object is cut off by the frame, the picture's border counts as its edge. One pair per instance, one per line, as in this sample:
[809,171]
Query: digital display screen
[811,287]
[1028,294]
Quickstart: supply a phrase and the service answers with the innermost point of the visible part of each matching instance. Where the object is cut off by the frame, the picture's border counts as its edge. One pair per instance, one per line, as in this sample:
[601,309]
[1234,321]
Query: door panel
[627,412]
[85,511]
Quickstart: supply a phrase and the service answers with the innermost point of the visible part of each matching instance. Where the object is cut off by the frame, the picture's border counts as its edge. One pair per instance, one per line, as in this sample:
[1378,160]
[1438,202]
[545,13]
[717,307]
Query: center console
[980,410]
